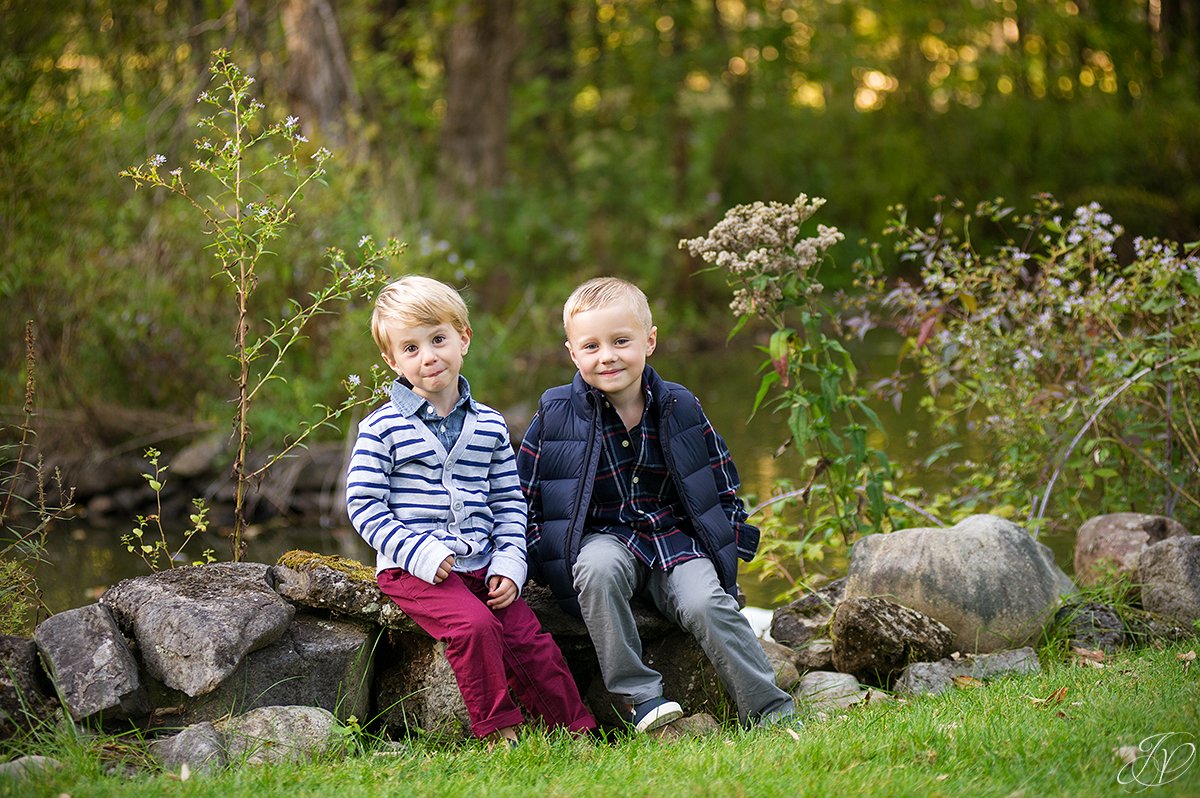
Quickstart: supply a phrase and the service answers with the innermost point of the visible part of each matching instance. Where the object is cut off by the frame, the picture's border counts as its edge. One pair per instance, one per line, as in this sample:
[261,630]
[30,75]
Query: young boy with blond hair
[630,491]
[433,488]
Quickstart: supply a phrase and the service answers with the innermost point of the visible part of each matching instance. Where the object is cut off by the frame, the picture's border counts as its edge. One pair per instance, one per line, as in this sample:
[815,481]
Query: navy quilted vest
[570,452]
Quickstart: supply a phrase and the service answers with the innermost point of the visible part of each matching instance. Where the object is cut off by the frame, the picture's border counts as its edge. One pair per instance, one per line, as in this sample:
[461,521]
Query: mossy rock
[300,560]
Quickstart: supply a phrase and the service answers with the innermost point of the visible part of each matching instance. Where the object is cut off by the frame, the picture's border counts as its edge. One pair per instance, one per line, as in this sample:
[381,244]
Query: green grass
[999,740]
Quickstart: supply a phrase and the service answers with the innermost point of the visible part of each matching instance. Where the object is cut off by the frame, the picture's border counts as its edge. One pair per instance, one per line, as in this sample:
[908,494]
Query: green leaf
[769,379]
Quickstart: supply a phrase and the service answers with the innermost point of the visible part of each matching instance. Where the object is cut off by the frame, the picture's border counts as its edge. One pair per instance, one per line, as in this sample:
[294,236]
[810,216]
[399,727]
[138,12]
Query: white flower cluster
[763,240]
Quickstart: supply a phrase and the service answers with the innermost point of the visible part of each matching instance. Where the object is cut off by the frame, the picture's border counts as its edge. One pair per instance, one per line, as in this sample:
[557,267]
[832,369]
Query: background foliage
[521,146]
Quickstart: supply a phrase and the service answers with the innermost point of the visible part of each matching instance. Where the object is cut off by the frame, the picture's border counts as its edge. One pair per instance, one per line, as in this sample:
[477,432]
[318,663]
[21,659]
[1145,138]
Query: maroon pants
[491,652]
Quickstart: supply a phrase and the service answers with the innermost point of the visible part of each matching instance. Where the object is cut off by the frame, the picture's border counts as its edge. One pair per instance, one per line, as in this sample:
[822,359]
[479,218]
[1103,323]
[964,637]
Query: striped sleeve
[508,508]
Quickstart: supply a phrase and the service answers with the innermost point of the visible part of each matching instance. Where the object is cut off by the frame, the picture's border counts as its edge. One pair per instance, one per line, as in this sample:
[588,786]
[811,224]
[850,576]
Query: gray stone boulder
[269,734]
[415,689]
[200,746]
[934,677]
[279,734]
[1113,542]
[820,691]
[808,617]
[27,698]
[1169,575]
[874,639]
[91,665]
[28,768]
[985,578]
[194,625]
[339,585]
[319,661]
[815,655]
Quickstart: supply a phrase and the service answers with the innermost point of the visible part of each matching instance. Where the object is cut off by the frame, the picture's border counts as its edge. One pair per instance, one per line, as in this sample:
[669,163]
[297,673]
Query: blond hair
[416,301]
[604,292]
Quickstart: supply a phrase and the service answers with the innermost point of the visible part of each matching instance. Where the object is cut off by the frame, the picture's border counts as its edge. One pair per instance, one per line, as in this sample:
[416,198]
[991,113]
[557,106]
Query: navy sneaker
[654,713]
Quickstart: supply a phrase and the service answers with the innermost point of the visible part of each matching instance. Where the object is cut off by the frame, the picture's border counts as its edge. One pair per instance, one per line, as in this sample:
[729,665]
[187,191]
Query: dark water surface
[85,560]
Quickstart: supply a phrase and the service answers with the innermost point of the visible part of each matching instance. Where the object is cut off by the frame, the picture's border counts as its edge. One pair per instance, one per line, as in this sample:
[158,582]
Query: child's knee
[600,574]
[476,622]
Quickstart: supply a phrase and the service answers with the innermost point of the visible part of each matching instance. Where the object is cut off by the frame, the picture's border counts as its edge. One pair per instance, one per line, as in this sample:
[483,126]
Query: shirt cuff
[512,567]
[426,560]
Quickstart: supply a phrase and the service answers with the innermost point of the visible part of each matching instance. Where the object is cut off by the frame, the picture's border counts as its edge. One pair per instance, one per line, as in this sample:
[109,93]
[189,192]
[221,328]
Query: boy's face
[430,358]
[609,346]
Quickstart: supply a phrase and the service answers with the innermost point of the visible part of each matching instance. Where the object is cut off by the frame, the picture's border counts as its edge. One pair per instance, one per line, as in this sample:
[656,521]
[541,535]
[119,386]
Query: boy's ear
[465,336]
[571,352]
[652,341]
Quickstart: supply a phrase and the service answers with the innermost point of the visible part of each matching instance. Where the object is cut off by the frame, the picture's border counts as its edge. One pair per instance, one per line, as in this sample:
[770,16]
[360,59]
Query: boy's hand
[502,593]
[444,569]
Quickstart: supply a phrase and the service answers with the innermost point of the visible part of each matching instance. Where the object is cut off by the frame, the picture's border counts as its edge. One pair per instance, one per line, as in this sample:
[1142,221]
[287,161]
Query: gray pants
[607,575]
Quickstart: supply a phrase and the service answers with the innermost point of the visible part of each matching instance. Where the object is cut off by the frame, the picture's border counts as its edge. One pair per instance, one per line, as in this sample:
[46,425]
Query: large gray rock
[339,585]
[319,662]
[1169,575]
[985,578]
[34,769]
[268,734]
[826,690]
[1113,542]
[415,689]
[27,699]
[200,746]
[815,655]
[279,734]
[807,618]
[194,625]
[87,658]
[934,677]
[874,639]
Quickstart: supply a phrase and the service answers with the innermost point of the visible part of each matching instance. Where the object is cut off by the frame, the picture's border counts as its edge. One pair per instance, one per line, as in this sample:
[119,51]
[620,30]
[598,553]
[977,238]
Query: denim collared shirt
[445,429]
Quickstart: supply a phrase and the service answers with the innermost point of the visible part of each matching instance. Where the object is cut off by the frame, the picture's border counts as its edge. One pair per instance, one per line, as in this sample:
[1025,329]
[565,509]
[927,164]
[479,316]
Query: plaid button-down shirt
[634,497]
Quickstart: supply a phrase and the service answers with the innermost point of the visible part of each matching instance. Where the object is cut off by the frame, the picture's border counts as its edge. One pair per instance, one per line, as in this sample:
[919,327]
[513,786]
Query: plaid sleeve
[528,457]
[726,476]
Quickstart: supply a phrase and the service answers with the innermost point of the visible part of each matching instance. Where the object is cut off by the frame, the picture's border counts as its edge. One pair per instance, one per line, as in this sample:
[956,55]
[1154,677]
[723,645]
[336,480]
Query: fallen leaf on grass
[967,682]
[1187,659]
[1054,698]
[792,732]
[1087,656]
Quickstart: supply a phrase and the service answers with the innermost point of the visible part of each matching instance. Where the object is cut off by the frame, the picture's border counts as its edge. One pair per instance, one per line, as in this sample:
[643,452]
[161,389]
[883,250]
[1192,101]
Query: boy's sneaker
[654,713]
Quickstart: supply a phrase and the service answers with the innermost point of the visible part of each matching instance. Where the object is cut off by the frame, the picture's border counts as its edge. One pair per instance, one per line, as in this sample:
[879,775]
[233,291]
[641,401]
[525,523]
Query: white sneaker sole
[660,716]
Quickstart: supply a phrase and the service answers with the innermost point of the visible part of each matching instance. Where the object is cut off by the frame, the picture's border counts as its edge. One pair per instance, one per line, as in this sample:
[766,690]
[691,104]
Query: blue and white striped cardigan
[416,504]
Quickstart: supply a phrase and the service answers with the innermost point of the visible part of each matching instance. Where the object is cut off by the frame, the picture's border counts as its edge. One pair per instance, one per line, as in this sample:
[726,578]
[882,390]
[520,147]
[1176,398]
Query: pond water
[85,560]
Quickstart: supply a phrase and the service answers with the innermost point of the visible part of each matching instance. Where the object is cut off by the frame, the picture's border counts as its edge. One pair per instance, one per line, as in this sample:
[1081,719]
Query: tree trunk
[320,87]
[479,53]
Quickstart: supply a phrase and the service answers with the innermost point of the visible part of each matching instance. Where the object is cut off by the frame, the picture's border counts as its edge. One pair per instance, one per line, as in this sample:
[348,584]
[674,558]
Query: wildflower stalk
[243,218]
[773,268]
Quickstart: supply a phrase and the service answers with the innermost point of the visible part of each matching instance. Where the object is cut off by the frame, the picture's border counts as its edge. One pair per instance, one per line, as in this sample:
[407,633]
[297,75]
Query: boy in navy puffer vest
[631,490]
